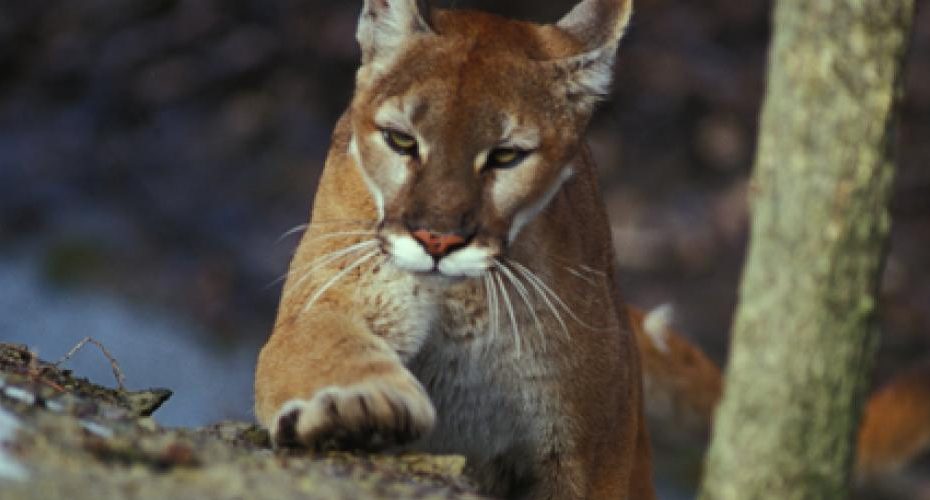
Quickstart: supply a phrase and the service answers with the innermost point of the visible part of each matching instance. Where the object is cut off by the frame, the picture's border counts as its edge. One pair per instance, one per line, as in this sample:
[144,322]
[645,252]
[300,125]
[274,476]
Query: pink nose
[438,245]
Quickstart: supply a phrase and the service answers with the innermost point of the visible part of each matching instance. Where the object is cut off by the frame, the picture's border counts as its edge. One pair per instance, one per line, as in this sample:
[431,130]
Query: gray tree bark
[804,336]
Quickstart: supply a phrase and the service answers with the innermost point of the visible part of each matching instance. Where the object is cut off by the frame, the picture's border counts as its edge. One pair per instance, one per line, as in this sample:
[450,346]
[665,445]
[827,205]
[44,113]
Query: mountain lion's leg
[324,380]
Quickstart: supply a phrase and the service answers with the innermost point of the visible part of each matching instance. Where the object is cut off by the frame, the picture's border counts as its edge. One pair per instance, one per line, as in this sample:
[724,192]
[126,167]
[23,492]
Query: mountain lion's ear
[385,24]
[598,25]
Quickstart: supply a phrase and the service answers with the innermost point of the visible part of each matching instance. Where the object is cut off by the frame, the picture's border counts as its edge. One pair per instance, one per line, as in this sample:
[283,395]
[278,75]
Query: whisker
[552,308]
[296,229]
[591,270]
[579,275]
[513,316]
[371,222]
[341,234]
[524,295]
[497,307]
[536,279]
[486,280]
[495,299]
[317,260]
[568,264]
[328,258]
[275,281]
[332,281]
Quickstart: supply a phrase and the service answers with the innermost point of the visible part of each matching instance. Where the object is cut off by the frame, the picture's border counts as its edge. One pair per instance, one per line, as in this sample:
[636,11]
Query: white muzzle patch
[410,256]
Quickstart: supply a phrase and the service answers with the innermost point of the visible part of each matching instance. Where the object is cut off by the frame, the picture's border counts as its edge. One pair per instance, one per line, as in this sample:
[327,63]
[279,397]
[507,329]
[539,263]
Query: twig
[37,373]
[52,384]
[117,372]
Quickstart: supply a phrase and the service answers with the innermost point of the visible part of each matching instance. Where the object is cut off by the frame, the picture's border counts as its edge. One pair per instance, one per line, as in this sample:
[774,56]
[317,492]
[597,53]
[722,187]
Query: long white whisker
[495,298]
[591,270]
[581,267]
[524,295]
[318,262]
[533,277]
[340,234]
[486,280]
[554,310]
[513,316]
[332,281]
[329,258]
[582,277]
[497,305]
[371,222]
[296,229]
[276,281]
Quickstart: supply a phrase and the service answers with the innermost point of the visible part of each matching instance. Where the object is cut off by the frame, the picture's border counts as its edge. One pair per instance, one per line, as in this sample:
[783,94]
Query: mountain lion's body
[453,292]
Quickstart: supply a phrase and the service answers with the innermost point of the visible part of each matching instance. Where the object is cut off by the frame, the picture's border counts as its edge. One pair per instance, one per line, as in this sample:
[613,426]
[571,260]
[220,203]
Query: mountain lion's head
[465,126]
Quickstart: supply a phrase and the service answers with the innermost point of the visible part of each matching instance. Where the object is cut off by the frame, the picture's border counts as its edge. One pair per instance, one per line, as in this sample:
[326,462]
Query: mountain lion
[453,292]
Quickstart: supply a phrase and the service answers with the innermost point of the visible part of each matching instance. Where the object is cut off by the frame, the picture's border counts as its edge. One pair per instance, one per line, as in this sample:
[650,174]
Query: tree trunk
[804,336]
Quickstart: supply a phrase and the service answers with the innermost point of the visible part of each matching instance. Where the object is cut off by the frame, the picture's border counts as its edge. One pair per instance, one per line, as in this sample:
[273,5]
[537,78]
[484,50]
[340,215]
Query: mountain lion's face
[462,143]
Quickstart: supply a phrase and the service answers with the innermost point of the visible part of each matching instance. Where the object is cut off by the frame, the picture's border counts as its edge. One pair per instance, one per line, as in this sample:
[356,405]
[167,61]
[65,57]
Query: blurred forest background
[154,152]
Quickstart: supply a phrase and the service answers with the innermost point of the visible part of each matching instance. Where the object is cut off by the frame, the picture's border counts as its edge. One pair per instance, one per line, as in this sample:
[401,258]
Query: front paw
[372,415]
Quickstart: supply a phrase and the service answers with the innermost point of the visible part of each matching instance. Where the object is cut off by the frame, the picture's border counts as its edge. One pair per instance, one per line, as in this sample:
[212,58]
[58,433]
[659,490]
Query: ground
[63,437]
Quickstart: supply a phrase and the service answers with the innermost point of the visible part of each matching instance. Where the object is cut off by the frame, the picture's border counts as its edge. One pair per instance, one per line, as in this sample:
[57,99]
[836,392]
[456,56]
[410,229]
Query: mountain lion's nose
[438,245]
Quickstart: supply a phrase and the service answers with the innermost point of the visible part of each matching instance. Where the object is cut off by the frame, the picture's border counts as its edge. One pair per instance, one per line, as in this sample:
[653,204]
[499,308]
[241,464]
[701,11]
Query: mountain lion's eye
[505,157]
[400,142]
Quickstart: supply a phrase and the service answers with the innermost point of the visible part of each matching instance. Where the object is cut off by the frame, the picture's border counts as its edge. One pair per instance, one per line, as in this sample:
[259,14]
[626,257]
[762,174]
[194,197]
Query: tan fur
[683,386]
[515,350]
[896,425]
[535,378]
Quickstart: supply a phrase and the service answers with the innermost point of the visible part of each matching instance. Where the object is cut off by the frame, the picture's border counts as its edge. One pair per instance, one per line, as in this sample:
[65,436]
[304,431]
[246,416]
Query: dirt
[64,437]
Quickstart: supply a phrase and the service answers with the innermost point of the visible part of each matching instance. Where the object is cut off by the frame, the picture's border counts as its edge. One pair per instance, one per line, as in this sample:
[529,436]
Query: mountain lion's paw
[368,416]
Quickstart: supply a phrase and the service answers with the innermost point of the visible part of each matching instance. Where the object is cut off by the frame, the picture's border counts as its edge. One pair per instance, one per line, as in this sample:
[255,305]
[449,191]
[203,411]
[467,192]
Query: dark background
[153,152]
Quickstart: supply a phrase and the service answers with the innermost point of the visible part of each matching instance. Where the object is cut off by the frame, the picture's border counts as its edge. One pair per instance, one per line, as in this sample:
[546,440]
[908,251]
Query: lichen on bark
[804,334]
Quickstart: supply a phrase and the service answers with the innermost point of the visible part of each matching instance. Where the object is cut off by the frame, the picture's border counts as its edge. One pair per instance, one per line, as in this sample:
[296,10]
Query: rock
[18,361]
[63,437]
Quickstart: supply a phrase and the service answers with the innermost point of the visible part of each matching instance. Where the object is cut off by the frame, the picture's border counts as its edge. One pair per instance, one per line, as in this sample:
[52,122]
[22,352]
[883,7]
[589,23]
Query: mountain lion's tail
[682,387]
[896,425]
